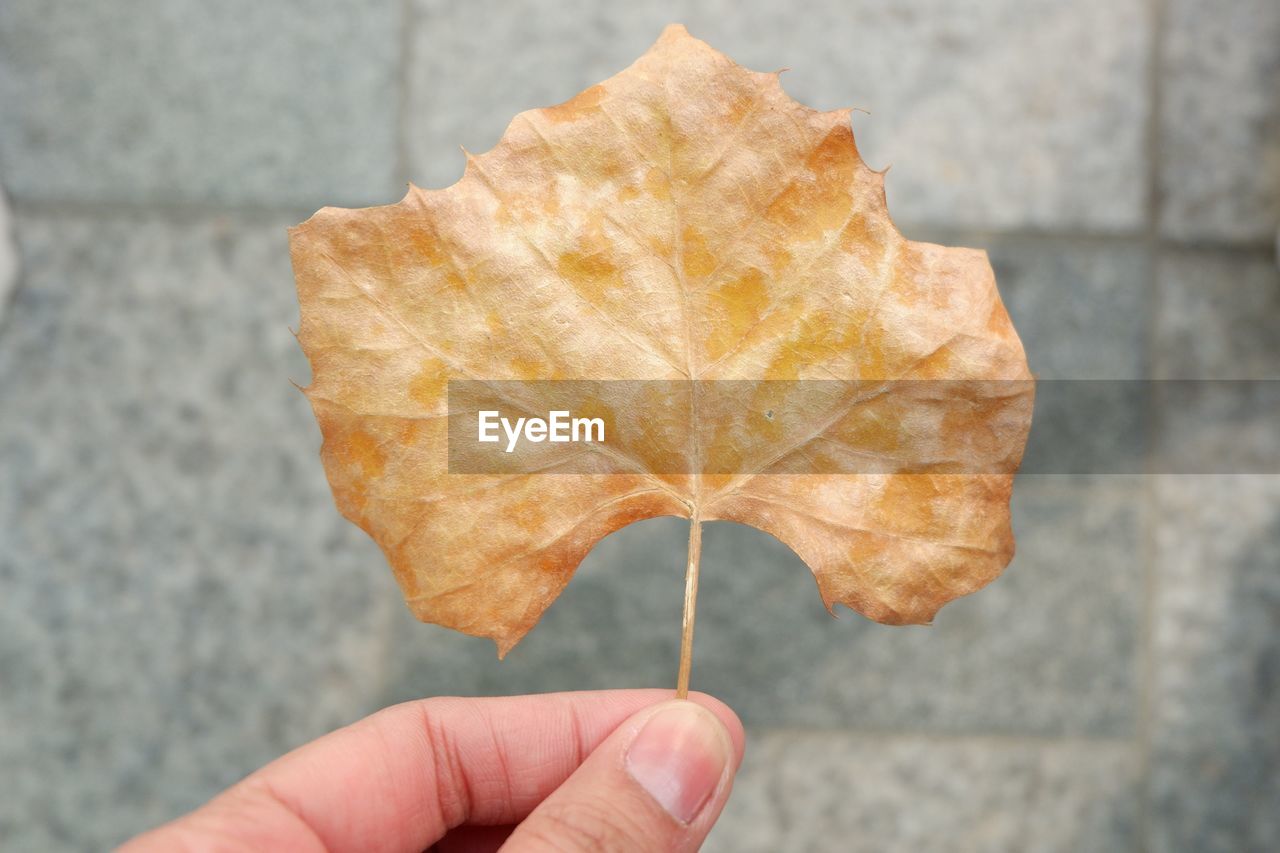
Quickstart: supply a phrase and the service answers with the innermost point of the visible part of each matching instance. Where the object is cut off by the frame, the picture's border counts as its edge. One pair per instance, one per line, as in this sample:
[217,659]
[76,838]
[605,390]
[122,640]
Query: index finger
[403,777]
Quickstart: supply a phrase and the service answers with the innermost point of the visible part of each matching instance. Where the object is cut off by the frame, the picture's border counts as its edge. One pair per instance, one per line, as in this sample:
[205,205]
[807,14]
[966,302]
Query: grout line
[924,230]
[408,23]
[1155,92]
[1146,693]
[1080,485]
[385,664]
[959,235]
[782,809]
[952,234]
[181,211]
[9,243]
[880,735]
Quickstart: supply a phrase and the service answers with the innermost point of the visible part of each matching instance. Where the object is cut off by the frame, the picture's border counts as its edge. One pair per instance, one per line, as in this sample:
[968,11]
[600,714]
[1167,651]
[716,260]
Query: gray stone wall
[180,602]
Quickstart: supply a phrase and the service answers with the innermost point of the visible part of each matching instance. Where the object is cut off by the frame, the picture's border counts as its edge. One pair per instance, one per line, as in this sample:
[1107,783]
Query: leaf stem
[690,605]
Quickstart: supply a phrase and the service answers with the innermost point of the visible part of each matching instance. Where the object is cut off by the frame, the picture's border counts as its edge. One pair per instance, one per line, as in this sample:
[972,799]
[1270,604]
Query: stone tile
[1218,316]
[1215,727]
[1081,308]
[183,101]
[8,256]
[1218,428]
[1089,429]
[1048,648]
[181,600]
[991,113]
[1220,121]
[834,792]
[1219,319]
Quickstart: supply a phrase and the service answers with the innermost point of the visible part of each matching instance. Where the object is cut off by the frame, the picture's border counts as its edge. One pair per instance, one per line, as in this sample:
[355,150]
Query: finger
[404,776]
[657,783]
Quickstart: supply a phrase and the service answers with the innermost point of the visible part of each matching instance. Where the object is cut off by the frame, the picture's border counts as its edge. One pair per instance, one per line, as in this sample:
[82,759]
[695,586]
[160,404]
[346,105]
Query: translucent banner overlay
[741,427]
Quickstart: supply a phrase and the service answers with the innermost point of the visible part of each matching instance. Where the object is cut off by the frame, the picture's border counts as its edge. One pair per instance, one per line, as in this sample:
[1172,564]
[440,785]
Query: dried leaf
[685,219]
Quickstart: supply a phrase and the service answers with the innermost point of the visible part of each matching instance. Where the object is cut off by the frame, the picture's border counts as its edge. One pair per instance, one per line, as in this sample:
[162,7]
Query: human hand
[608,770]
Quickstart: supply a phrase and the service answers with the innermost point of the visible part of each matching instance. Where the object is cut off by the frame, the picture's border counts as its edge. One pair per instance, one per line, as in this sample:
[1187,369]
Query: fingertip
[681,755]
[728,717]
[658,782]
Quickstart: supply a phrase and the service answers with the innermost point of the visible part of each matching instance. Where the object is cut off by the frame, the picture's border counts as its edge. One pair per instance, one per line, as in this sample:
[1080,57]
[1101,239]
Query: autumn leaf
[684,222]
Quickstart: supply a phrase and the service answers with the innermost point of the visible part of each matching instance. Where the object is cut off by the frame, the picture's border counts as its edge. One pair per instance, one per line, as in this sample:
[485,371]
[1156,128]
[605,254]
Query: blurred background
[180,602]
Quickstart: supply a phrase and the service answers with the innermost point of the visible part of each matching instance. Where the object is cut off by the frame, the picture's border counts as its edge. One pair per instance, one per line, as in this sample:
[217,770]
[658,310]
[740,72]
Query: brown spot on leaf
[592,275]
[363,450]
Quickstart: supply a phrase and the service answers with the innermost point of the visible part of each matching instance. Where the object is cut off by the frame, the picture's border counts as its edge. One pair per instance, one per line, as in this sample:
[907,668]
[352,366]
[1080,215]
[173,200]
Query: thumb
[657,783]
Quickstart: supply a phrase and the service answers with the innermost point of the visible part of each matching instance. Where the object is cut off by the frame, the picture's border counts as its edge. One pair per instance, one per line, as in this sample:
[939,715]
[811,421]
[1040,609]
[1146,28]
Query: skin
[607,770]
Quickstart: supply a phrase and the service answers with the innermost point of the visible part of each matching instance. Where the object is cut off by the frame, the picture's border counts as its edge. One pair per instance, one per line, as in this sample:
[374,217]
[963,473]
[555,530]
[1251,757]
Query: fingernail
[678,758]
